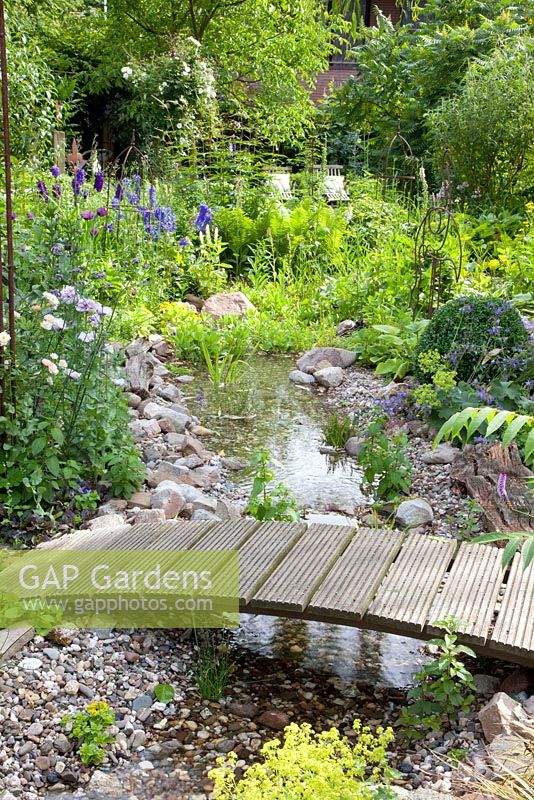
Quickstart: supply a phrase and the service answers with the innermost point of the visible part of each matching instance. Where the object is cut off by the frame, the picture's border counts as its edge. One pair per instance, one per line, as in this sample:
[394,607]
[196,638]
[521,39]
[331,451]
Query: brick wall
[332,78]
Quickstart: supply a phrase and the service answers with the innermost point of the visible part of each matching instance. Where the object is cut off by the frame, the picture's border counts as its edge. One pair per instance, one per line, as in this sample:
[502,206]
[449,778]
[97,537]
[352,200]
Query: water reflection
[287,420]
[352,654]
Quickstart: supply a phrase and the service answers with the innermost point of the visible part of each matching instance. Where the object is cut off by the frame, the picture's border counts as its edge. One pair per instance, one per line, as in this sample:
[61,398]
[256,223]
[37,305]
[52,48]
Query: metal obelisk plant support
[8,223]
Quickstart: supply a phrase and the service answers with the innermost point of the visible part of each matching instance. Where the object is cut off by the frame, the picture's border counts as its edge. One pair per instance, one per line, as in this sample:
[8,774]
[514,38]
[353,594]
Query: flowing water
[266,411]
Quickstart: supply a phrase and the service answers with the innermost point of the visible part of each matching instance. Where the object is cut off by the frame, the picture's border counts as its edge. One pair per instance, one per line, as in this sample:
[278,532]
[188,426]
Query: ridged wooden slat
[292,584]
[12,640]
[470,592]
[171,535]
[408,591]
[262,553]
[514,627]
[351,584]
[227,535]
[82,540]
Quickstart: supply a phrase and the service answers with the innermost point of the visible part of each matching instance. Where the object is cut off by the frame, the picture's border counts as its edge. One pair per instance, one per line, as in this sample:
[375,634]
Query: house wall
[338,74]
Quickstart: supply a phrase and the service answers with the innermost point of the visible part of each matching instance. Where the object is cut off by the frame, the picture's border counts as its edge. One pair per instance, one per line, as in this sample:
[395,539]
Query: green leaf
[53,465]
[164,692]
[528,552]
[390,329]
[57,435]
[529,446]
[38,445]
[513,428]
[510,550]
[498,421]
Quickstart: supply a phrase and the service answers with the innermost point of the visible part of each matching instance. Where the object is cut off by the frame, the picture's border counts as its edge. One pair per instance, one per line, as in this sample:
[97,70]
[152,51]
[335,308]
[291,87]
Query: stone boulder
[502,715]
[335,355]
[228,304]
[169,498]
[330,377]
[443,454]
[139,372]
[510,754]
[353,446]
[301,378]
[414,513]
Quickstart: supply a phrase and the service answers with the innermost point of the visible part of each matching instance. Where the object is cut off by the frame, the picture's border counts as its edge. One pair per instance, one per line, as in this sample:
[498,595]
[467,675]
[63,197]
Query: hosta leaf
[528,552]
[529,446]
[510,550]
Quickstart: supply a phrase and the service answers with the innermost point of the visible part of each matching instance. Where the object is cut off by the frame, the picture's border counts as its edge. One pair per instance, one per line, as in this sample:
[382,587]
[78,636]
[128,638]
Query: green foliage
[276,503]
[474,333]
[89,728]
[485,130]
[466,523]
[390,347]
[404,71]
[489,421]
[224,365]
[309,764]
[212,669]
[164,693]
[444,686]
[337,432]
[516,542]
[387,472]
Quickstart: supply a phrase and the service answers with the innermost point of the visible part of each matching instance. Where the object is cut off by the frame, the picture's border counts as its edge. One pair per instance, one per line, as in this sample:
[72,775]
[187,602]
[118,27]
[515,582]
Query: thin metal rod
[9,199]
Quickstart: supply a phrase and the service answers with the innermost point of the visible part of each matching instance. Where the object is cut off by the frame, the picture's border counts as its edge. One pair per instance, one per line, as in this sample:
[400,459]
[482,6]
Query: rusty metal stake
[9,199]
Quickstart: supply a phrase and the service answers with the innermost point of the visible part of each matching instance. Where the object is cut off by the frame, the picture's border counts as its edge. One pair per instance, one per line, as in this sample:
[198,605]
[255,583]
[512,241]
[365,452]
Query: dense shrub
[476,334]
[486,129]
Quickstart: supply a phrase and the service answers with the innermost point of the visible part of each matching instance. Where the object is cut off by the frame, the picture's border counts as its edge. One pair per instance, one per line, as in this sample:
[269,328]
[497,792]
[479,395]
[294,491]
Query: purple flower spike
[501,486]
[102,212]
[183,242]
[78,181]
[99,181]
[88,215]
[55,171]
[41,188]
[56,188]
[205,216]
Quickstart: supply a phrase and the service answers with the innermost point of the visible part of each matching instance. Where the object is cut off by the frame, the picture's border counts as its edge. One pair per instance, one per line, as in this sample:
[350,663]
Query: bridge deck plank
[293,583]
[470,592]
[408,590]
[350,586]
[514,627]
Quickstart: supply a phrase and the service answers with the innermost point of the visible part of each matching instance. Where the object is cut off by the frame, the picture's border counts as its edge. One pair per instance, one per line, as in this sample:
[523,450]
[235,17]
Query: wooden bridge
[386,581]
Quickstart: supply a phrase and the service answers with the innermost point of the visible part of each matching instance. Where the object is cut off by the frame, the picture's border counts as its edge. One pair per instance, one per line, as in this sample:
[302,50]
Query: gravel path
[166,751]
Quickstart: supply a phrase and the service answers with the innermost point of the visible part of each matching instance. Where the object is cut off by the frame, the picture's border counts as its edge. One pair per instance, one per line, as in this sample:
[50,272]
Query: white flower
[51,367]
[51,323]
[127,72]
[51,299]
[62,363]
[86,336]
[54,356]
[71,373]
[47,324]
[187,68]
[5,338]
[193,41]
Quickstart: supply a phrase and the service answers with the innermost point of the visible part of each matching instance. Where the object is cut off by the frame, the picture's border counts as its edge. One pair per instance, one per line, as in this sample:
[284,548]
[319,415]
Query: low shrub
[309,764]
[477,334]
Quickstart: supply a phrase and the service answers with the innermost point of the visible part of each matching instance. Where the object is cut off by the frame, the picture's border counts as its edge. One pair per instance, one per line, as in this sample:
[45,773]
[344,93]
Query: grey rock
[26,748]
[346,327]
[169,498]
[133,399]
[31,664]
[486,684]
[148,516]
[167,471]
[52,653]
[197,498]
[502,715]
[142,428]
[329,377]
[528,706]
[226,746]
[225,510]
[335,355]
[443,454]
[202,514]
[109,521]
[104,784]
[353,446]
[142,701]
[139,372]
[413,513]
[234,463]
[62,744]
[301,378]
[35,729]
[508,753]
[168,391]
[226,304]
[244,710]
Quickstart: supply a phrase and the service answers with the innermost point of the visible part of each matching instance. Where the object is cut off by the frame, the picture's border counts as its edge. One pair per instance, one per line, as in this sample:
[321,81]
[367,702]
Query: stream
[265,411]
